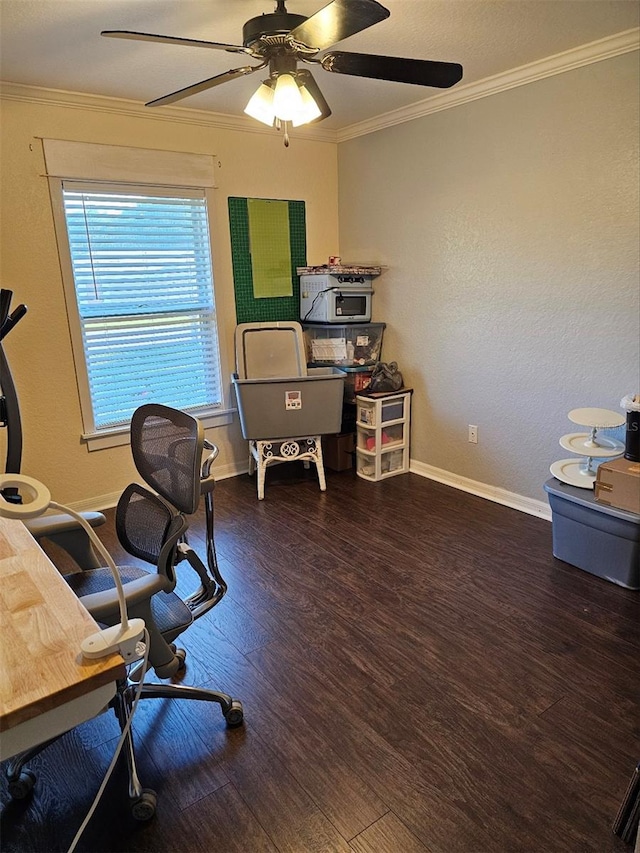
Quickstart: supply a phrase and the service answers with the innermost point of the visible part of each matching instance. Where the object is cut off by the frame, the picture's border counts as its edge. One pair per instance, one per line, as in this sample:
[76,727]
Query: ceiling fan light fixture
[287,100]
[260,105]
[280,40]
[310,110]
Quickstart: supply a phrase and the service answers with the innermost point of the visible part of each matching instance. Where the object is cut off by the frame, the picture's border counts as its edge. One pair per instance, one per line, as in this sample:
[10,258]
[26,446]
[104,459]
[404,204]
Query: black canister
[632,437]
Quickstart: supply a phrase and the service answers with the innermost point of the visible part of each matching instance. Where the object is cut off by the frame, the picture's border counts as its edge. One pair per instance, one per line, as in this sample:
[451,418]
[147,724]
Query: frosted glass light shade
[310,110]
[284,101]
[260,105]
[287,100]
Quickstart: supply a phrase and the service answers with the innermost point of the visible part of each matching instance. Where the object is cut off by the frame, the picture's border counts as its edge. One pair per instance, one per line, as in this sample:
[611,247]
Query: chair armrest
[102,605]
[49,525]
[207,485]
[206,480]
[64,531]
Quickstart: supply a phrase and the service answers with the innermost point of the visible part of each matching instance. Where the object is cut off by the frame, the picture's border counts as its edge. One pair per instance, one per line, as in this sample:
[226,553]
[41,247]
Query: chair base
[263,453]
[142,801]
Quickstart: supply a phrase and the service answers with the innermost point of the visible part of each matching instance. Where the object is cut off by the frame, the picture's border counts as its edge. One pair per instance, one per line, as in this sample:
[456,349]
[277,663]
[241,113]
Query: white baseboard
[101,502]
[482,490]
[464,484]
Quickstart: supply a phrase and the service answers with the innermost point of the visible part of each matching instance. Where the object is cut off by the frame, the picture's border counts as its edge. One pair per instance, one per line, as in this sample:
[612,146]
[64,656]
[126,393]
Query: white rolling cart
[383,432]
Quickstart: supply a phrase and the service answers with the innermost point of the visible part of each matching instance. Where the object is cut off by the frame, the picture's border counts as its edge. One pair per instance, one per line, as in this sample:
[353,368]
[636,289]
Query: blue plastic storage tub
[599,539]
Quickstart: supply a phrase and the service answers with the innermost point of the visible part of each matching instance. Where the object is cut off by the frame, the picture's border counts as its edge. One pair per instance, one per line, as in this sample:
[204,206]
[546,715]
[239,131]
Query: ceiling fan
[280,40]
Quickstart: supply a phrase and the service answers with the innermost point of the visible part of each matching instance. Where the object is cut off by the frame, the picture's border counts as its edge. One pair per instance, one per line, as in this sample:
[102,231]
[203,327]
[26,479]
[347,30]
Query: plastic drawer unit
[382,434]
[599,539]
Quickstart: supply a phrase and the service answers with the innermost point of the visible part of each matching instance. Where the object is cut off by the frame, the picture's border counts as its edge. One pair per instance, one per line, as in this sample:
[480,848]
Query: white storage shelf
[383,431]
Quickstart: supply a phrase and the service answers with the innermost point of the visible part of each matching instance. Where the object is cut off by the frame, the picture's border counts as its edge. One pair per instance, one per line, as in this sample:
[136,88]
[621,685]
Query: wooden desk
[46,686]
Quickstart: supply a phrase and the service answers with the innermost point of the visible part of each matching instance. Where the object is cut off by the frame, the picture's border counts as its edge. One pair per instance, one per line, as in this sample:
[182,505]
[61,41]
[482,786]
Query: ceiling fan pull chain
[286,134]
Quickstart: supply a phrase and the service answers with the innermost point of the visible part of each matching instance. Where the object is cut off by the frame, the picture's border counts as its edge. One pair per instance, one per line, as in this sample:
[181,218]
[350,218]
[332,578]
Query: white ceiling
[57,44]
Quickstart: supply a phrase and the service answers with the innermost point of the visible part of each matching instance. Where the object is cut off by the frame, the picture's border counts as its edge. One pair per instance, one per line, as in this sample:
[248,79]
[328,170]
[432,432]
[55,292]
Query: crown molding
[595,51]
[121,106]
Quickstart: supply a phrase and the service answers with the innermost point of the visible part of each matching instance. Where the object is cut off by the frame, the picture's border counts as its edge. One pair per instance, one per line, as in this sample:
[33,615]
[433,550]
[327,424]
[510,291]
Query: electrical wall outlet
[473,434]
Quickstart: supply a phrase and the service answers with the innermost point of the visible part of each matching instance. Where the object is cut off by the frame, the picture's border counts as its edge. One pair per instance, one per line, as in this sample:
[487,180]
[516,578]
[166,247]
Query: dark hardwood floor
[418,674]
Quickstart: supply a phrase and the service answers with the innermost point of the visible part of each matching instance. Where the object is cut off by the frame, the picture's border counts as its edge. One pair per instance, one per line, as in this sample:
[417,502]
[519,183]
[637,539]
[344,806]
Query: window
[144,289]
[133,235]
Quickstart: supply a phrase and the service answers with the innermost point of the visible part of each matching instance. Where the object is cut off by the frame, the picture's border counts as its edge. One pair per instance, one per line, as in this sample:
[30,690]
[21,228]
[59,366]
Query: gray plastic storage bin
[290,407]
[599,539]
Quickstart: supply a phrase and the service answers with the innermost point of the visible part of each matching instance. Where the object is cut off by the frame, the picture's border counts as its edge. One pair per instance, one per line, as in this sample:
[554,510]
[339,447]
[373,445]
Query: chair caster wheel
[181,654]
[22,786]
[144,807]
[235,715]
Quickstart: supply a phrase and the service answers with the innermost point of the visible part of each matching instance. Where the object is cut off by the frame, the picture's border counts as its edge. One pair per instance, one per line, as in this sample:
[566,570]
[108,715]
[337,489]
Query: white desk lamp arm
[97,543]
[123,638]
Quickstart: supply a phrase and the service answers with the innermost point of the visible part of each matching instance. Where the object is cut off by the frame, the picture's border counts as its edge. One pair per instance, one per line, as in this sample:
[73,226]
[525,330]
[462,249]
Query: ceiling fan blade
[421,72]
[203,85]
[129,34]
[307,80]
[337,21]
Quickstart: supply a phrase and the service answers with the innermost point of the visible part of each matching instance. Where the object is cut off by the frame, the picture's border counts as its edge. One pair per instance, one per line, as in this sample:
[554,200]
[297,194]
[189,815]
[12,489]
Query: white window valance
[89,161]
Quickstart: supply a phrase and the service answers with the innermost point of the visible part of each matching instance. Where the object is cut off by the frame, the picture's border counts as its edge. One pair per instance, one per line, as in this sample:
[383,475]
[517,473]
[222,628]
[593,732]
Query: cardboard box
[338,451]
[618,484]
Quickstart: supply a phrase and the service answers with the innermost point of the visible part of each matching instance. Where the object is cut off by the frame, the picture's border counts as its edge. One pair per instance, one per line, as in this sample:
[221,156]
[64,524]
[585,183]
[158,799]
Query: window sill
[119,436]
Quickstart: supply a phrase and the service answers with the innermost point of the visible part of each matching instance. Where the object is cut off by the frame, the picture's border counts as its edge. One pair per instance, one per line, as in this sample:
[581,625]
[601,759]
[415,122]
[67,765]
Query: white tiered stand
[590,446]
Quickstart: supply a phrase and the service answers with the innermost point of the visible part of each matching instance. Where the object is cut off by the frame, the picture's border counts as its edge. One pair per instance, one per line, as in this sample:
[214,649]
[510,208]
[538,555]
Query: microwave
[335,298]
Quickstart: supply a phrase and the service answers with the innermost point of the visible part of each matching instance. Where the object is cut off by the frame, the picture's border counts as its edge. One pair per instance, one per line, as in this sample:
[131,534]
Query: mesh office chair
[167,447]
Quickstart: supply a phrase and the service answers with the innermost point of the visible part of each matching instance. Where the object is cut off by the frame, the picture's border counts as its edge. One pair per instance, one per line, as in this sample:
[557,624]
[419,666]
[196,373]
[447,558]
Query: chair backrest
[167,447]
[149,528]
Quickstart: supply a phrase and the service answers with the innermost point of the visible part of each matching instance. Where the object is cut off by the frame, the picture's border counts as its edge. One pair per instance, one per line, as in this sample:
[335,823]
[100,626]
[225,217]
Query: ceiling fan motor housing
[272,24]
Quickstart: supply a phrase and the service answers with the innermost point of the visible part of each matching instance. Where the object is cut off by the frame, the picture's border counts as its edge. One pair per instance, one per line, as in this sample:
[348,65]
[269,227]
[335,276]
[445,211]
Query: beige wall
[39,349]
[510,229]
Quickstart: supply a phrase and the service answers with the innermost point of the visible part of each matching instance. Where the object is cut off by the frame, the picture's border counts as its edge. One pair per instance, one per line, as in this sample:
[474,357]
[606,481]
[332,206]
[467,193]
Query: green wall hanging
[267,236]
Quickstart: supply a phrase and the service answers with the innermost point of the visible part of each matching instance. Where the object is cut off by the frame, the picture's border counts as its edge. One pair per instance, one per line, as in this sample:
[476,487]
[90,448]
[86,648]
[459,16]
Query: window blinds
[142,270]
